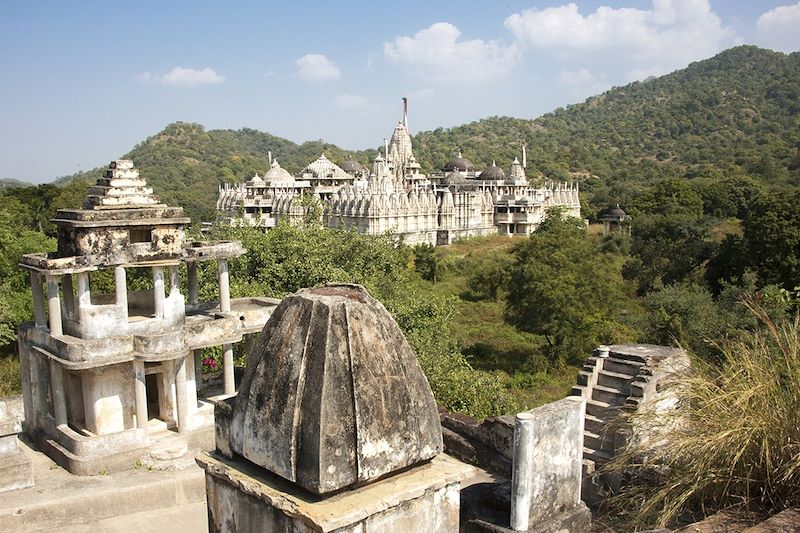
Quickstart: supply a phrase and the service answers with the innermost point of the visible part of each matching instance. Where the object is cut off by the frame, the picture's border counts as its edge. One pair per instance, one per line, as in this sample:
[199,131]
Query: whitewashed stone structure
[107,375]
[335,428]
[396,197]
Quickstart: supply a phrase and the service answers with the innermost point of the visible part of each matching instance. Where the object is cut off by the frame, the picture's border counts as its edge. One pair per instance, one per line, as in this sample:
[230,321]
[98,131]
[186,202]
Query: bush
[734,438]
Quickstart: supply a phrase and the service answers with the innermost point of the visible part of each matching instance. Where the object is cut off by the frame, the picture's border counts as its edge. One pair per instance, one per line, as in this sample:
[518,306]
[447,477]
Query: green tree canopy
[564,287]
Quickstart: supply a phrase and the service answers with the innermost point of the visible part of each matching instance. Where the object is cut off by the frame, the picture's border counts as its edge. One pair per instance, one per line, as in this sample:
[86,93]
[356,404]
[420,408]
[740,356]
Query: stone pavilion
[107,374]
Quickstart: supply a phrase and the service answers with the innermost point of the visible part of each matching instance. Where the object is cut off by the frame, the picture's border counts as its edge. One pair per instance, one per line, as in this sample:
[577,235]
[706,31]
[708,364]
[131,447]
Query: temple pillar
[191,269]
[39,315]
[227,369]
[57,388]
[121,288]
[198,367]
[69,296]
[140,392]
[181,405]
[174,280]
[54,306]
[158,292]
[191,384]
[224,287]
[84,295]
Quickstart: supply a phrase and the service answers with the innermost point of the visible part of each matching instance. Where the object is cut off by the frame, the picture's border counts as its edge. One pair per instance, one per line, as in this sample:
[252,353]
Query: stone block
[245,498]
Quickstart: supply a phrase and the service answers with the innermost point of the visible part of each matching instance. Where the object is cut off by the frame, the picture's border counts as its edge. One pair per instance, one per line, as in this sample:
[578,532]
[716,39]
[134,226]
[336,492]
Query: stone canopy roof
[493,173]
[334,396]
[277,176]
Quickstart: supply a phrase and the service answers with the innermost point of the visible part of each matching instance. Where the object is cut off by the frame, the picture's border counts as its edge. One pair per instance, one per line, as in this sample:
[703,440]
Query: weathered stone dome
[334,395]
[459,163]
[617,212]
[351,166]
[455,178]
[492,173]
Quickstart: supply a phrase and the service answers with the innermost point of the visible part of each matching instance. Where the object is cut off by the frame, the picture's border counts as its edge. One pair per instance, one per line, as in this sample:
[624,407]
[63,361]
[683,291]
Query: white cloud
[436,52]
[778,28]
[669,35]
[189,77]
[582,82]
[317,67]
[353,101]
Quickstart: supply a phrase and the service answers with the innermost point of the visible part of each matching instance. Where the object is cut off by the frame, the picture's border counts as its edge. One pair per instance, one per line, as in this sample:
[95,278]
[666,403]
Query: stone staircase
[617,378]
[608,382]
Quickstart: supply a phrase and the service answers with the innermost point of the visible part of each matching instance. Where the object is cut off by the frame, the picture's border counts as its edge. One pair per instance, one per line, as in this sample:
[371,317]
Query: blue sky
[83,82]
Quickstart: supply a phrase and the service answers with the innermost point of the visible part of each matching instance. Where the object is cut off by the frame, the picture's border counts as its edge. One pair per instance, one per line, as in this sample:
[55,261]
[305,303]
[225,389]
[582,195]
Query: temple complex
[394,196]
[110,366]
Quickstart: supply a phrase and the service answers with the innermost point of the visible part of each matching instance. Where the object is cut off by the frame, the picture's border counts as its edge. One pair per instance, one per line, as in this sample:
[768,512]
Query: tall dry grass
[732,441]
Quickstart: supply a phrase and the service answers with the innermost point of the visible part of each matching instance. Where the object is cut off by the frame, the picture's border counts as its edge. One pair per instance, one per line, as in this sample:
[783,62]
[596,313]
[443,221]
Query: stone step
[615,380]
[627,356]
[622,366]
[603,442]
[598,457]
[601,410]
[594,424]
[609,395]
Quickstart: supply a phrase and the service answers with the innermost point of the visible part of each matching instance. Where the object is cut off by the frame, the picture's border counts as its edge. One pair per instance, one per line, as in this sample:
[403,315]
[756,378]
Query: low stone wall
[488,444]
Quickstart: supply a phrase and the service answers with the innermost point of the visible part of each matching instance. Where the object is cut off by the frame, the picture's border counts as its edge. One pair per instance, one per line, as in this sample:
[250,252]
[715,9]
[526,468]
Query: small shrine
[110,366]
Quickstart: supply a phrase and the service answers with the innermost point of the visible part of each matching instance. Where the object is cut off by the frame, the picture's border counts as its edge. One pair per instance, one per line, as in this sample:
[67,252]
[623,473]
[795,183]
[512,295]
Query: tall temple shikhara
[394,196]
[107,375]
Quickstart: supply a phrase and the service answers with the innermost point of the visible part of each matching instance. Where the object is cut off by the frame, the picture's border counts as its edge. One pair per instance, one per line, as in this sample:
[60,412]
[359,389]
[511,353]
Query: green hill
[736,113]
[7,183]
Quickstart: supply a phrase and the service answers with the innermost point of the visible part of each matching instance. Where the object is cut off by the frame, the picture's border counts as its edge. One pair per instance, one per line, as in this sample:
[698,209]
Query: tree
[563,287]
[772,238]
[425,261]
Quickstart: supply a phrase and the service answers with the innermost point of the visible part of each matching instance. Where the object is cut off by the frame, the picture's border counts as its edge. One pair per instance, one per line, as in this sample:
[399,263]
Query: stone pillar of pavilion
[335,428]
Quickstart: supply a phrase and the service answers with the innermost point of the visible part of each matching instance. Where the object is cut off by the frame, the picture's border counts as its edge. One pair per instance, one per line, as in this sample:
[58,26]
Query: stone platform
[244,497]
[63,501]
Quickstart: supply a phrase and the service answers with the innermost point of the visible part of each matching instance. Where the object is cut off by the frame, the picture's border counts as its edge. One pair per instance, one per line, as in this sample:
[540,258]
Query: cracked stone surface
[334,396]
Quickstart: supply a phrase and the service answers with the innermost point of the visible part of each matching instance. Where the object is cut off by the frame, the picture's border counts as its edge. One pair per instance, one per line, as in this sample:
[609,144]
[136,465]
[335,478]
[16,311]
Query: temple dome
[255,180]
[617,212]
[351,166]
[459,163]
[455,178]
[323,167]
[334,395]
[493,173]
[277,175]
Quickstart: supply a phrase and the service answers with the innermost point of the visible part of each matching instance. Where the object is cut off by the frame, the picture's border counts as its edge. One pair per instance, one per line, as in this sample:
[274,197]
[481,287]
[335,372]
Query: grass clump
[732,442]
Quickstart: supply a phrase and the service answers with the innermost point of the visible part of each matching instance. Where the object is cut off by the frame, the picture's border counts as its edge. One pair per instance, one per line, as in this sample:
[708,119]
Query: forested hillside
[735,114]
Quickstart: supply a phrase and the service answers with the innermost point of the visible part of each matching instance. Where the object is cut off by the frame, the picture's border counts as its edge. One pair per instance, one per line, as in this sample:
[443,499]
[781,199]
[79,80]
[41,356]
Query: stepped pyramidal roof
[121,187]
[323,167]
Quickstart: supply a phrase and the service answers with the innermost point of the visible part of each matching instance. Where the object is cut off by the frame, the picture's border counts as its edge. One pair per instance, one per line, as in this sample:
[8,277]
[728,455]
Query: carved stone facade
[396,197]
